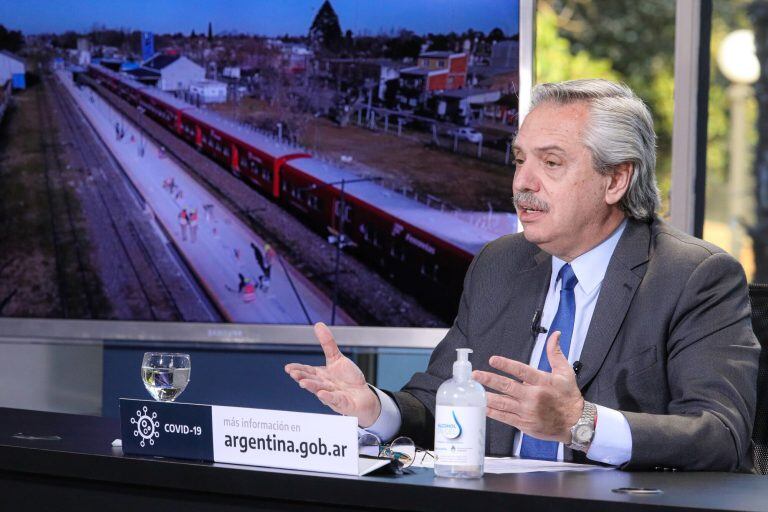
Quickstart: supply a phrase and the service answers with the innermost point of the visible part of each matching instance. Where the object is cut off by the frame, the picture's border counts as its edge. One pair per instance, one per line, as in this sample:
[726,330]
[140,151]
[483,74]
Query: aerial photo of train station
[331,169]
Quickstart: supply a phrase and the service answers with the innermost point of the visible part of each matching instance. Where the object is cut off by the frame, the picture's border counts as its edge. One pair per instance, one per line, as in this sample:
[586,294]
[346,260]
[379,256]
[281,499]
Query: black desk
[83,472]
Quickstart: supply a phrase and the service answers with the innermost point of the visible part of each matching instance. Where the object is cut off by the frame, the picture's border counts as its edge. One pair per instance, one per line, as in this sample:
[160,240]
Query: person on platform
[269,259]
[169,184]
[246,288]
[193,223]
[265,264]
[184,223]
[208,212]
[599,314]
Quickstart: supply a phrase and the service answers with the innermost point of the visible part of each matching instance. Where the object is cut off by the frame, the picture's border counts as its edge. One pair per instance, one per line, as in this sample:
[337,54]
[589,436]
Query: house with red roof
[436,71]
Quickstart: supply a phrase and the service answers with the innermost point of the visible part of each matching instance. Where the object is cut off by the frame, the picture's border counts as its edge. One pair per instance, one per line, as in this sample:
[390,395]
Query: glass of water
[165,375]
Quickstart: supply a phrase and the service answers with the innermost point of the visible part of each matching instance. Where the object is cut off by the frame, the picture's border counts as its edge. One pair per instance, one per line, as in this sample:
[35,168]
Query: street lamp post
[340,234]
[737,61]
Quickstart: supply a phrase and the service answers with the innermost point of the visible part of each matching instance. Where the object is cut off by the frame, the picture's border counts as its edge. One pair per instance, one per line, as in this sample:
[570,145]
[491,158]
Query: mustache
[527,201]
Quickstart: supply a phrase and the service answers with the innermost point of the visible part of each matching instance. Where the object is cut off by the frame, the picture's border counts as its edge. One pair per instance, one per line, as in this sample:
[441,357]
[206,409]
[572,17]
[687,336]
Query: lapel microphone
[536,327]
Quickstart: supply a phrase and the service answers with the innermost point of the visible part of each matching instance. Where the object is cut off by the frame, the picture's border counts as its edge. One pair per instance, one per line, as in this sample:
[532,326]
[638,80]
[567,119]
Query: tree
[349,41]
[325,32]
[406,45]
[11,40]
[210,32]
[100,35]
[496,34]
[557,61]
[192,34]
[66,40]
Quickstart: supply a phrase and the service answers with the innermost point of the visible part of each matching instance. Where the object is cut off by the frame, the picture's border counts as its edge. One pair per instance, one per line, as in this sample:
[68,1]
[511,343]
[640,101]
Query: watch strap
[588,419]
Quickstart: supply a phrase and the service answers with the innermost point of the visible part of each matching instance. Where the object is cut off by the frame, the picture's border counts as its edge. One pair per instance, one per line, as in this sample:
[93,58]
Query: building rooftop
[468,93]
[422,71]
[140,73]
[160,61]
[440,55]
[12,56]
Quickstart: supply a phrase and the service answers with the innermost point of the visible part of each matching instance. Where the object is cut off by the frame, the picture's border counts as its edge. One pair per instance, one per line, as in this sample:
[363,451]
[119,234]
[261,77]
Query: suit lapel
[622,279]
[528,294]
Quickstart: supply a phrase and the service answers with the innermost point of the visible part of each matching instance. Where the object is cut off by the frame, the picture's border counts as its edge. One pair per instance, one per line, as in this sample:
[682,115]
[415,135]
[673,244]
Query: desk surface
[81,469]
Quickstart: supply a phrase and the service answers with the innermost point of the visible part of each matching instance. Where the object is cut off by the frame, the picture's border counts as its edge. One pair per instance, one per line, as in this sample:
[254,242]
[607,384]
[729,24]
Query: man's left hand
[541,404]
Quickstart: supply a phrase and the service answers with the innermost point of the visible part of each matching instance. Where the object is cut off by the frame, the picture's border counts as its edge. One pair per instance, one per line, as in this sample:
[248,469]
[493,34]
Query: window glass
[733,203]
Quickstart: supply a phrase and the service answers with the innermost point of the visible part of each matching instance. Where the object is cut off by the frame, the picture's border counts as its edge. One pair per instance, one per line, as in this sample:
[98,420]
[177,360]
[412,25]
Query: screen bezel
[98,331]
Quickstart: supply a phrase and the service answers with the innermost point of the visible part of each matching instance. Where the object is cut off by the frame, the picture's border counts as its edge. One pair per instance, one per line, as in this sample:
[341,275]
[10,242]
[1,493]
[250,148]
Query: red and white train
[422,250]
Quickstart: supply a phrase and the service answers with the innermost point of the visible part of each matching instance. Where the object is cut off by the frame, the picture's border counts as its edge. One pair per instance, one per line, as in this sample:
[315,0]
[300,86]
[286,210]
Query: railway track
[159,300]
[74,282]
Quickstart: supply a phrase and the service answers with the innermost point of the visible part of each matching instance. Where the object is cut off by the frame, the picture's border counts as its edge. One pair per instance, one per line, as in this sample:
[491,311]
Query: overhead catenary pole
[340,231]
[339,241]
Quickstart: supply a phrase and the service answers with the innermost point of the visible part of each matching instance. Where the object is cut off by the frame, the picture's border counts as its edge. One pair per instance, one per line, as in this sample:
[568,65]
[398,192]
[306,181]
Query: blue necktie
[532,448]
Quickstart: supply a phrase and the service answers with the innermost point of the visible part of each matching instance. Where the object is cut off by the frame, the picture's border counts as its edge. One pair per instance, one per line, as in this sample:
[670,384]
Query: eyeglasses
[402,451]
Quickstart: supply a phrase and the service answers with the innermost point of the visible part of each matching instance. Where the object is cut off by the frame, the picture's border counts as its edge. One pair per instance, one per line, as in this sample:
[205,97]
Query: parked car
[467,133]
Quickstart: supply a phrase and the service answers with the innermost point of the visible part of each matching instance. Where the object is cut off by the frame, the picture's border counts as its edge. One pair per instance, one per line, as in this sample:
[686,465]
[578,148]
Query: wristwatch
[583,431]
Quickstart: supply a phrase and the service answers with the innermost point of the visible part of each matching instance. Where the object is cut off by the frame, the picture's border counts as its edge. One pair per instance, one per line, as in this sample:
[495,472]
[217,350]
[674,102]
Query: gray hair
[620,130]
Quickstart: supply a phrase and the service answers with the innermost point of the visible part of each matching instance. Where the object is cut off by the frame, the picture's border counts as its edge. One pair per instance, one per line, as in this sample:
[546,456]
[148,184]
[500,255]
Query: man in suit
[650,361]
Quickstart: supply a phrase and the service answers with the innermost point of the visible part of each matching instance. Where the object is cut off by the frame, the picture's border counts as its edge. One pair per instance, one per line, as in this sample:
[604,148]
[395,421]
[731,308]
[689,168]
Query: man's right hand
[339,384]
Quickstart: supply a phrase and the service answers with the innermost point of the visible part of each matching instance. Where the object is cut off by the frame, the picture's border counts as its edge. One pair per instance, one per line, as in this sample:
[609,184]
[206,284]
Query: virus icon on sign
[146,426]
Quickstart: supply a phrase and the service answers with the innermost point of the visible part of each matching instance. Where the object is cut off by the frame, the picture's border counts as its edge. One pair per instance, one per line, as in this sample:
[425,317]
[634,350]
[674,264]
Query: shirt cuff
[613,438]
[387,425]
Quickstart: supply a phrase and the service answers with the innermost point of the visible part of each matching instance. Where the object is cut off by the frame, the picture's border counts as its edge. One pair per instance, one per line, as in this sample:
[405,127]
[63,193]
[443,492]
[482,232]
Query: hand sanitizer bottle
[460,423]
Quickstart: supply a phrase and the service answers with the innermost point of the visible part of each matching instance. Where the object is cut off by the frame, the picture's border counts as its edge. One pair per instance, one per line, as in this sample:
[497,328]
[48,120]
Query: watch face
[583,434]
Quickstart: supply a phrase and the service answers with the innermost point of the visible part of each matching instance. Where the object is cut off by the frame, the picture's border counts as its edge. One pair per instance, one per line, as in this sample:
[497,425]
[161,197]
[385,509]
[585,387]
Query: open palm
[339,384]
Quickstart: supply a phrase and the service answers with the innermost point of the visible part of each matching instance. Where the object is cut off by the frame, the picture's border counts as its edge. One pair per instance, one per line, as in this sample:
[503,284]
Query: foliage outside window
[620,40]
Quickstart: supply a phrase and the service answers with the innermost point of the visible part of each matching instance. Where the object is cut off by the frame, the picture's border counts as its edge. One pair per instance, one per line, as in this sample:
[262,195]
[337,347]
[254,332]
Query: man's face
[560,198]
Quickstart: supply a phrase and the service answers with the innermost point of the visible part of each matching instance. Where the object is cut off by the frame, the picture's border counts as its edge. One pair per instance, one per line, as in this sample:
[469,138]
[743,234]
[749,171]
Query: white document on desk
[502,465]
[367,465]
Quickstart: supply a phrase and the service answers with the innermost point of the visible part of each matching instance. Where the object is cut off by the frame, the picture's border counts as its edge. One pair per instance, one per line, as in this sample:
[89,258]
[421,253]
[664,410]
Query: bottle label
[459,435]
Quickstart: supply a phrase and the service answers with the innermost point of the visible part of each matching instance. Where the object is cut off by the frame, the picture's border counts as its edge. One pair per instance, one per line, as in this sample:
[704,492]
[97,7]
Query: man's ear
[619,181]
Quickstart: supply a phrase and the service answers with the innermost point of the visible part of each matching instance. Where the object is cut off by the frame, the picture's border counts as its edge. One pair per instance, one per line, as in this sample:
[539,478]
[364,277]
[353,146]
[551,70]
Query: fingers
[292,367]
[314,386]
[325,337]
[519,370]
[498,382]
[505,417]
[303,374]
[299,375]
[557,359]
[502,403]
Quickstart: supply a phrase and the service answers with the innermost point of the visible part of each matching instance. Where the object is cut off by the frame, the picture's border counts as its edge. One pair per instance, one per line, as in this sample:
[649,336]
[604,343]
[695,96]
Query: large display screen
[253,162]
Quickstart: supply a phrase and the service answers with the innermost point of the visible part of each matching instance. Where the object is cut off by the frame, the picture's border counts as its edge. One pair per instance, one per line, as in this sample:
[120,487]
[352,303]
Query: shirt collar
[591,266]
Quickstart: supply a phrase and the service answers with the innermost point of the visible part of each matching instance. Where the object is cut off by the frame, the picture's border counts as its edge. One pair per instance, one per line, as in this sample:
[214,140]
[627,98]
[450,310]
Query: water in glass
[165,375]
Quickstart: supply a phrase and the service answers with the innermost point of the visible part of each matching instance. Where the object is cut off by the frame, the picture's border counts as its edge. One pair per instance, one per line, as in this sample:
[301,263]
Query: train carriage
[380,227]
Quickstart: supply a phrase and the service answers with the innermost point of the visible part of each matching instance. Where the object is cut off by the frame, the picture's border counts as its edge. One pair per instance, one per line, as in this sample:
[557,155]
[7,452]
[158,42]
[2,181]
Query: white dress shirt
[612,443]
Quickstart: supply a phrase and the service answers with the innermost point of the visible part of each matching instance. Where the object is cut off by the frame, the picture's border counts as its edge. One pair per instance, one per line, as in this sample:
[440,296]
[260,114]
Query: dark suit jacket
[670,345]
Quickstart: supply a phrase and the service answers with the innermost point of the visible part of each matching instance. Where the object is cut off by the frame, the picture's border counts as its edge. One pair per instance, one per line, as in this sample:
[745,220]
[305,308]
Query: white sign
[289,440]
